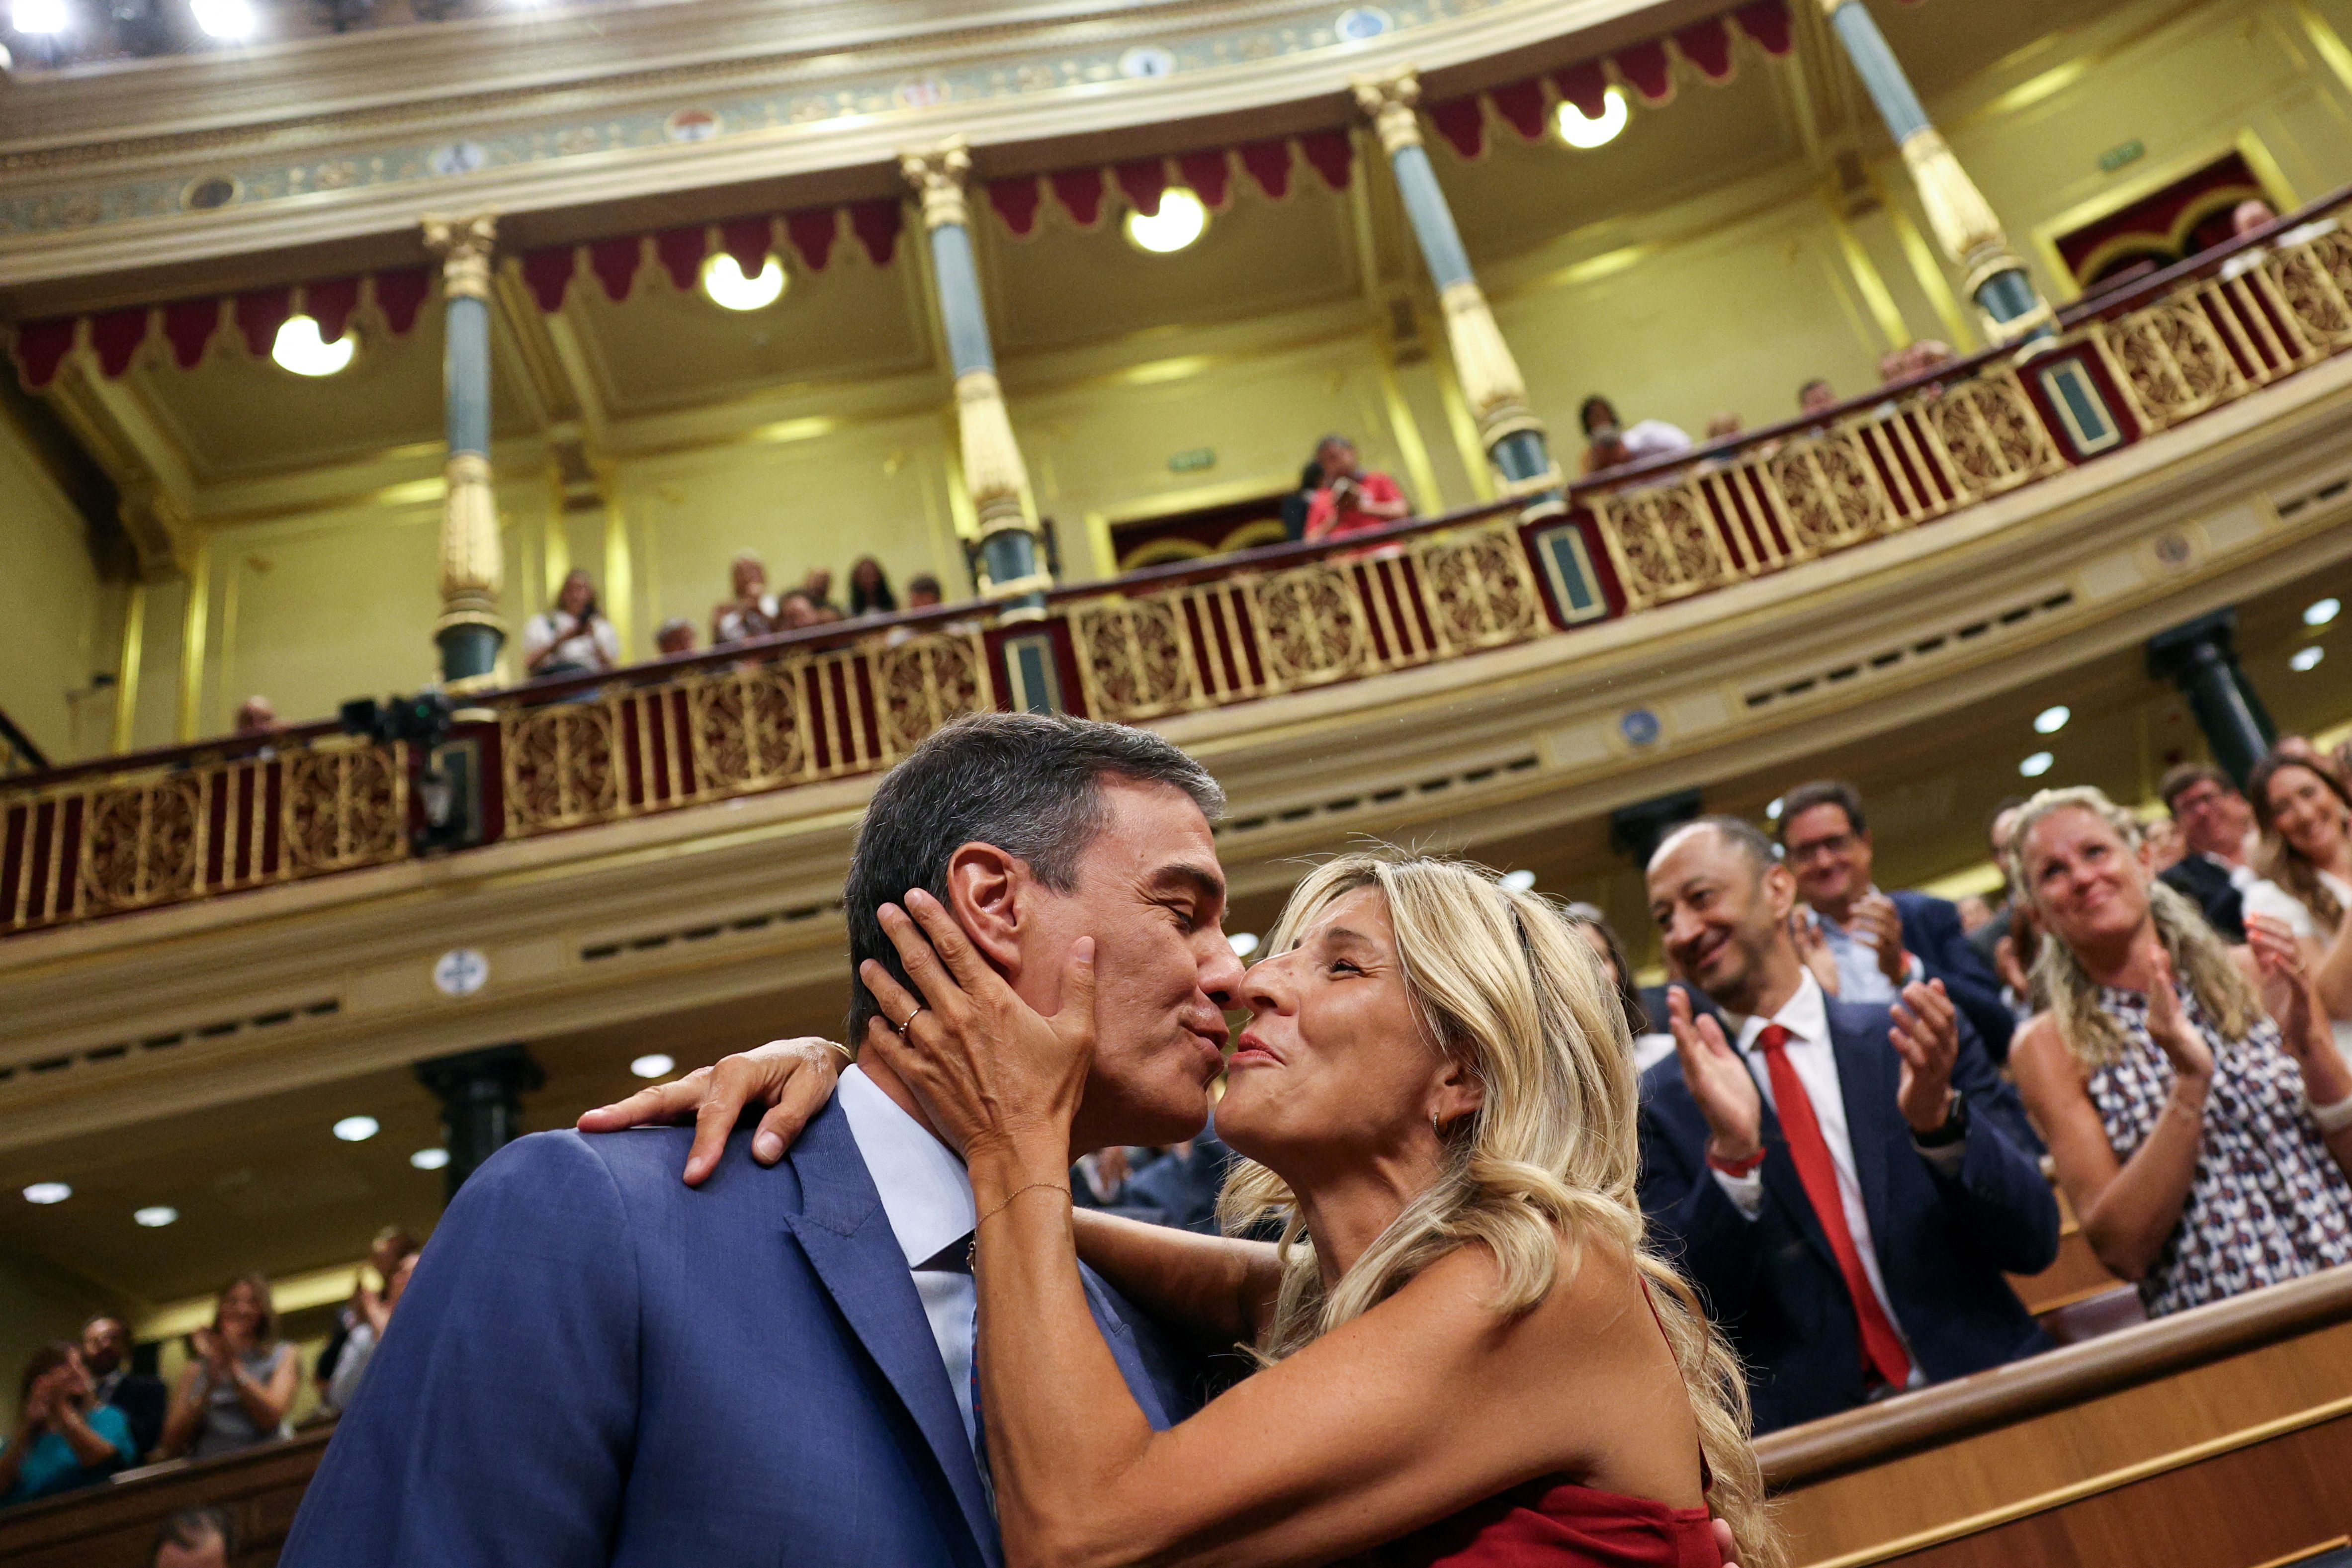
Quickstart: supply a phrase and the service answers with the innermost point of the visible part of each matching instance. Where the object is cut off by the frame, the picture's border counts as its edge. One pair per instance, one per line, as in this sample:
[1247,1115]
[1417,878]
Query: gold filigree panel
[2173,361]
[141,844]
[1479,590]
[922,683]
[1664,542]
[1135,656]
[750,729]
[1313,623]
[344,808]
[1992,438]
[559,765]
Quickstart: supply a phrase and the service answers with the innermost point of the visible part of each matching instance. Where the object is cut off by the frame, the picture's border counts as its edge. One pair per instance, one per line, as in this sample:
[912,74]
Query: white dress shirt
[926,1197]
[1807,1019]
[1856,957]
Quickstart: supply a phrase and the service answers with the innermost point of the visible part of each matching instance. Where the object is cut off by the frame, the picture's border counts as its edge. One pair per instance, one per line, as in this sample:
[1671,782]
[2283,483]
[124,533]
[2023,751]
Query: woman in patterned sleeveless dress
[2191,1093]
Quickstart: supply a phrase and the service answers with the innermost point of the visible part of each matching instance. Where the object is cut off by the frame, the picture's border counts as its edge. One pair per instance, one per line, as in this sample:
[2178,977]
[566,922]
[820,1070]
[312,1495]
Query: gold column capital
[937,175]
[464,245]
[1388,101]
[472,569]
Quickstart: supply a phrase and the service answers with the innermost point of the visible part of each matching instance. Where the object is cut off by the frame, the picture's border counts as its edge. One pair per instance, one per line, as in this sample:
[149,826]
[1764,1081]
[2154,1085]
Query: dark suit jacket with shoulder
[596,1363]
[1931,927]
[2208,885]
[1943,1242]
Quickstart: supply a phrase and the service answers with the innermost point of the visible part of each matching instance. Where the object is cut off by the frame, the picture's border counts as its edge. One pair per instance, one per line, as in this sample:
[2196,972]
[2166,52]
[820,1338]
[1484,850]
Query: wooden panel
[114,1526]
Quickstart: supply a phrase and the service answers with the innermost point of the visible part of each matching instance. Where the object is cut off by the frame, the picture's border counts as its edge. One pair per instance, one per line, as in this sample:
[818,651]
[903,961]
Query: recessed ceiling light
[2322,611]
[429,1159]
[2034,766]
[301,349]
[157,1216]
[654,1066]
[1518,882]
[40,18]
[1581,132]
[230,19]
[1244,943]
[2306,657]
[723,280]
[357,1128]
[2050,721]
[48,1192]
[1180,220]
[1772,812]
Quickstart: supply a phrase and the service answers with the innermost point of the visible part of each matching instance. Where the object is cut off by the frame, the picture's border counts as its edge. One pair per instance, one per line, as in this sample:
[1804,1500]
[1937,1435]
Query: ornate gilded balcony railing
[172,826]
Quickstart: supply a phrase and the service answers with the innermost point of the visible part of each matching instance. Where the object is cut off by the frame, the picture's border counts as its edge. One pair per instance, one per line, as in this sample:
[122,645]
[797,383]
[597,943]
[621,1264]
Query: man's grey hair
[1029,784]
[1738,832]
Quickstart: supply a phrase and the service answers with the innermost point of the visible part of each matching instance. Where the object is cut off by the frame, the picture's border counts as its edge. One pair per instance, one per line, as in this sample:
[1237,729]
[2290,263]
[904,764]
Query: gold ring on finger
[909,1024]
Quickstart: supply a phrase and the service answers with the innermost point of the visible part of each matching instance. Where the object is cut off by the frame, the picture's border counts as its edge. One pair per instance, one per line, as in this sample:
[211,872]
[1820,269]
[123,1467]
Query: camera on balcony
[448,787]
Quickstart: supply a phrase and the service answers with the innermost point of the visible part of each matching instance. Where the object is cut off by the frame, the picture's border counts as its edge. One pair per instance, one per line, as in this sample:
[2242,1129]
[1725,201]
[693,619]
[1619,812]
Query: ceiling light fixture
[429,1159]
[654,1066]
[1517,881]
[48,1192]
[2321,611]
[2307,659]
[232,20]
[40,18]
[156,1216]
[1244,943]
[301,349]
[723,280]
[2034,766]
[1180,220]
[357,1128]
[2050,721]
[1584,133]
[1772,812]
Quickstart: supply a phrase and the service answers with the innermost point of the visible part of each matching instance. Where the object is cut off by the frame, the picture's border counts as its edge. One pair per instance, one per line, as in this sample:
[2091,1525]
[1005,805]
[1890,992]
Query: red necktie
[1882,1347]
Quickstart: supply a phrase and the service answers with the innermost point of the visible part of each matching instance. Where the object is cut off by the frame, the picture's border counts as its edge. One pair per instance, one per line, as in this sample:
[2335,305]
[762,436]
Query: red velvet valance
[1206,172]
[680,252]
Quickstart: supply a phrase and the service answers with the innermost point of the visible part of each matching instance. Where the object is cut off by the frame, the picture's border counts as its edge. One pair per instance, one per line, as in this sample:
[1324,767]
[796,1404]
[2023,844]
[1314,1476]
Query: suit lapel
[848,1239]
[1865,1065]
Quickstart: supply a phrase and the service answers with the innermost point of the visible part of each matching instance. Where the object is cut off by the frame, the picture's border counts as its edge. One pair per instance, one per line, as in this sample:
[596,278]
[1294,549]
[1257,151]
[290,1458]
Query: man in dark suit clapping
[1845,1182]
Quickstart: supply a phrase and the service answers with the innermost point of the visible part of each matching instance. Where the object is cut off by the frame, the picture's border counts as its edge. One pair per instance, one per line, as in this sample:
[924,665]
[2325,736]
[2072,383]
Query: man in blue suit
[596,1363]
[1845,1184]
[1882,941]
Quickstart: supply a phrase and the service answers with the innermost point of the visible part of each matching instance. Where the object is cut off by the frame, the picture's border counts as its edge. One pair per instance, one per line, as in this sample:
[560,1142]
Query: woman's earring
[1434,1129]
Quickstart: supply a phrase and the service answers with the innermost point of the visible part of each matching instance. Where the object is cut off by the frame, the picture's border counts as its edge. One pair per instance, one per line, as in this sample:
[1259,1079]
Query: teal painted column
[470,632]
[1512,436]
[1963,220]
[1012,561]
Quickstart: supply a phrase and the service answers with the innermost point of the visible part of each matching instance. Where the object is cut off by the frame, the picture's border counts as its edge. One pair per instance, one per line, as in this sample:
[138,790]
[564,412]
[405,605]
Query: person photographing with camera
[1353,498]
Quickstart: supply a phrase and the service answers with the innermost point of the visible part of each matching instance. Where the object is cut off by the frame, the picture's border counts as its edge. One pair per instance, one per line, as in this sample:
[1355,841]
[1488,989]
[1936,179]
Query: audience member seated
[2198,1114]
[236,1391]
[360,1322]
[196,1538]
[818,586]
[1353,498]
[1609,444]
[257,715]
[2217,835]
[2250,215]
[795,611]
[1182,1184]
[2304,750]
[64,1438]
[1649,1046]
[2305,813]
[673,636]
[1879,943]
[572,637]
[359,1351]
[1816,397]
[923,592]
[1296,502]
[1098,1180]
[751,613]
[1846,1209]
[870,589]
[142,1399]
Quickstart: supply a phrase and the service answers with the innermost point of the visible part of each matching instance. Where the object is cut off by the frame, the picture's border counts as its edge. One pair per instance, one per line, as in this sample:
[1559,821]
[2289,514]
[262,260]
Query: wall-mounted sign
[2115,158]
[461,972]
[1193,461]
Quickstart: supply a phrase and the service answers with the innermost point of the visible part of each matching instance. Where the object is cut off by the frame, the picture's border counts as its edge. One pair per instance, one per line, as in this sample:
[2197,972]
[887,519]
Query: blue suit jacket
[1931,927]
[596,1363]
[1943,1242]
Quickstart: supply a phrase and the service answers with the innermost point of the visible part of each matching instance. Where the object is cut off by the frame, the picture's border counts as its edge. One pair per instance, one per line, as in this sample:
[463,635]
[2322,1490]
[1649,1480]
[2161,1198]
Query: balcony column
[1011,558]
[472,571]
[2202,660]
[1963,220]
[481,1104]
[1508,430]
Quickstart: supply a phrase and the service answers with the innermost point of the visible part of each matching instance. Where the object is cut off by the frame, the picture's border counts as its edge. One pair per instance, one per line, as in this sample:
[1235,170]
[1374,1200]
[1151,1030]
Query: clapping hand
[1927,1036]
[1719,1081]
[2183,1045]
[2286,987]
[1813,949]
[1879,923]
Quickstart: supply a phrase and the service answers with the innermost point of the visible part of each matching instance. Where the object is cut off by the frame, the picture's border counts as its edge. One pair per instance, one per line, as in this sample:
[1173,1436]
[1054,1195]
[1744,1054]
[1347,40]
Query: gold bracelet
[972,1252]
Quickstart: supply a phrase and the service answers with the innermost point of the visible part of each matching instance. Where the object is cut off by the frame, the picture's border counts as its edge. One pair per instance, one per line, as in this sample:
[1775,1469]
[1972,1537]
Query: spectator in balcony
[1725,427]
[573,637]
[751,613]
[1649,1046]
[196,1538]
[1847,1208]
[1294,503]
[142,1399]
[359,1351]
[674,636]
[2305,815]
[795,611]
[870,589]
[236,1391]
[360,1322]
[1353,499]
[2250,215]
[64,1438]
[1609,444]
[923,592]
[818,586]
[1881,943]
[1816,397]
[2218,838]
[2196,1109]
[257,715]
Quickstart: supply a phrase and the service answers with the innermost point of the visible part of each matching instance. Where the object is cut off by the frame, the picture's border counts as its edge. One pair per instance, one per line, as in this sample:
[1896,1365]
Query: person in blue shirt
[64,1438]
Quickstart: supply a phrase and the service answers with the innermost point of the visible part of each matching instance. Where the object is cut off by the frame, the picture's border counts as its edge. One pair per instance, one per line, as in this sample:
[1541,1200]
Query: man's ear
[1779,890]
[987,891]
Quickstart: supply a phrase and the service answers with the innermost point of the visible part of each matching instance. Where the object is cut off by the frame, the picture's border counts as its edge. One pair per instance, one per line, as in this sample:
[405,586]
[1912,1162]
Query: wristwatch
[1955,1127]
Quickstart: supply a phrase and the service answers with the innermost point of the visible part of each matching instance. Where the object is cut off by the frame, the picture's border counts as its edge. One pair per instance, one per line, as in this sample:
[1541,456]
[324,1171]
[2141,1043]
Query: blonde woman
[236,1391]
[1468,1356]
[2200,1118]
[2305,816]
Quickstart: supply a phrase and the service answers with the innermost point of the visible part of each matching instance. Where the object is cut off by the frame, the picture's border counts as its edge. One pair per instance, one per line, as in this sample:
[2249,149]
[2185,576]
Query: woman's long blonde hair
[2198,955]
[1503,983]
